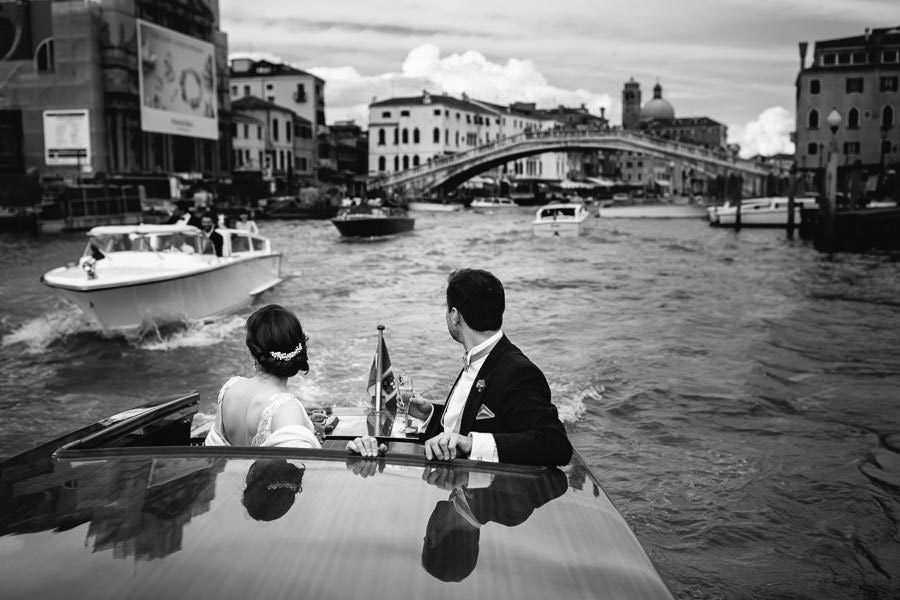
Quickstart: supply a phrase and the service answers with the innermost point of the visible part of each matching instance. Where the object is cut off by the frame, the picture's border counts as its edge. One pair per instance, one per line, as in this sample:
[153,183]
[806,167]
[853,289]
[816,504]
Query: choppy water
[737,395]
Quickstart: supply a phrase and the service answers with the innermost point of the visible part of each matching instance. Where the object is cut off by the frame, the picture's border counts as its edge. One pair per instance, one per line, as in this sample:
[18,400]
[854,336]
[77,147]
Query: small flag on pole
[388,385]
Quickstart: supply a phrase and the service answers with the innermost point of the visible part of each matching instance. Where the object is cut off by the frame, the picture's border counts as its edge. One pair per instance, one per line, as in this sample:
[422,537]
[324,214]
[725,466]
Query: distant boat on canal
[759,212]
[368,220]
[561,220]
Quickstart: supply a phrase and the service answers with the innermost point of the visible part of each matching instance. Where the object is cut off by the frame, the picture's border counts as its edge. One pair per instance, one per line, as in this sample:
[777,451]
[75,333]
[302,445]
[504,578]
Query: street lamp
[885,129]
[828,242]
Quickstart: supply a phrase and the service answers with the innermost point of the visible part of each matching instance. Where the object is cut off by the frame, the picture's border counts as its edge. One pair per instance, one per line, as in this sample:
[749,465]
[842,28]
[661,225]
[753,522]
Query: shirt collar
[480,351]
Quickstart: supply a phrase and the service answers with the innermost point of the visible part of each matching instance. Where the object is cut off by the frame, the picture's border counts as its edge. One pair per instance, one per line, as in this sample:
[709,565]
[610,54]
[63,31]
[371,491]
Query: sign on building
[177,79]
[67,137]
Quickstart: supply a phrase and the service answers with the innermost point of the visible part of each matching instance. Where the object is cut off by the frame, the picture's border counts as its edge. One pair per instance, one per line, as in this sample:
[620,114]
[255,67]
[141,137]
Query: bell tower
[631,104]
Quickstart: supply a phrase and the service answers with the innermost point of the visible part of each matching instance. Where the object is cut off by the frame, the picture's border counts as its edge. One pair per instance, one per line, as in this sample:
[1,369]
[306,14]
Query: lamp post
[834,122]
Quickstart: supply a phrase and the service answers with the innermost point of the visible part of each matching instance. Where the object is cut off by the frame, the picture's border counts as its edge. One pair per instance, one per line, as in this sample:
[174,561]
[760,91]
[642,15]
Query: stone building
[114,87]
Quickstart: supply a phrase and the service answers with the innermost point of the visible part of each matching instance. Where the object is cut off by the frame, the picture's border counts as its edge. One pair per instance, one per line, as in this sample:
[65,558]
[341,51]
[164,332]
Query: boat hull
[374,227]
[226,286]
[558,228]
[652,211]
[434,207]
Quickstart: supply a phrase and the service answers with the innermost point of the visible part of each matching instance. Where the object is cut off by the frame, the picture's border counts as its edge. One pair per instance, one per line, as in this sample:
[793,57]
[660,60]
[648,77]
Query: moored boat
[759,212]
[558,219]
[492,203]
[132,276]
[424,206]
[366,220]
[135,506]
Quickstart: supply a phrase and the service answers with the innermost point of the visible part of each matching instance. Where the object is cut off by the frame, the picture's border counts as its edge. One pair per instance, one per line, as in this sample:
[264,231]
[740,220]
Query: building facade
[410,131]
[300,92]
[859,77]
[271,139]
[113,86]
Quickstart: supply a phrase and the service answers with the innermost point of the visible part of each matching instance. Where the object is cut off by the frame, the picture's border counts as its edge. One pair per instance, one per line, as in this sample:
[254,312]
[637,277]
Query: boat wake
[208,332]
[38,333]
[570,399]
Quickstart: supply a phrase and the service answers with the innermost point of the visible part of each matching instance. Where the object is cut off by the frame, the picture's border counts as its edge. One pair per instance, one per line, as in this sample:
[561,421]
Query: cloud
[348,92]
[768,134]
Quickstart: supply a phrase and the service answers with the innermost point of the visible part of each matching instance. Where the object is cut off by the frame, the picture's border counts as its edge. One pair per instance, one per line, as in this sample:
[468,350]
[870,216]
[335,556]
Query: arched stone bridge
[447,172]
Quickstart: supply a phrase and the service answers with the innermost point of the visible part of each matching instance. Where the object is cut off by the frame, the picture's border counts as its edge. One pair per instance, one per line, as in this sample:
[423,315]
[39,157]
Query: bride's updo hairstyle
[277,342]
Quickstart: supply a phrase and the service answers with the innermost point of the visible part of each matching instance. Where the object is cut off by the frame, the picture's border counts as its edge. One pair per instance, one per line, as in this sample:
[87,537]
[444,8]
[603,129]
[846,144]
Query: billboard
[67,137]
[177,82]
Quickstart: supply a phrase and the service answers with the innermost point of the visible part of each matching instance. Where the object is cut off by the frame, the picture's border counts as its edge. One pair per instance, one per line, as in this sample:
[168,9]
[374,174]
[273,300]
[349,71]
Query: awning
[663,183]
[601,181]
[568,184]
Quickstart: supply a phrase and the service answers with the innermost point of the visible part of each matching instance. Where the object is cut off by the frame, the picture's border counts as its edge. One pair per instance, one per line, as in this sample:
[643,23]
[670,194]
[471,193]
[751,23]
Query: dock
[859,230]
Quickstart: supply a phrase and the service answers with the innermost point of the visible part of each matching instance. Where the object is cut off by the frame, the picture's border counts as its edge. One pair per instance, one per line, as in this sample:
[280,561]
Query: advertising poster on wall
[67,138]
[177,83]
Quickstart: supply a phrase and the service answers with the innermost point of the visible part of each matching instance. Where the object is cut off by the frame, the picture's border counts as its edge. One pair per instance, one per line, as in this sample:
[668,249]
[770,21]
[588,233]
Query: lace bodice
[264,428]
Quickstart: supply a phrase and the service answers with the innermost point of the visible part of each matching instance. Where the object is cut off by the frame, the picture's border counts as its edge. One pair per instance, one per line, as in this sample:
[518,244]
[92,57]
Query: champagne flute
[405,392]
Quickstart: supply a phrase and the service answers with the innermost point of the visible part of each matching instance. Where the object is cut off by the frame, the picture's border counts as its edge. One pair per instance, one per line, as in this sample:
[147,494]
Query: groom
[499,408]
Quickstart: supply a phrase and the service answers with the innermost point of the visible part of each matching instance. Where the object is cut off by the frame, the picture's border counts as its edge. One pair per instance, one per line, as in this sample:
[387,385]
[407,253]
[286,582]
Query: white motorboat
[139,275]
[423,206]
[761,212]
[492,203]
[557,219]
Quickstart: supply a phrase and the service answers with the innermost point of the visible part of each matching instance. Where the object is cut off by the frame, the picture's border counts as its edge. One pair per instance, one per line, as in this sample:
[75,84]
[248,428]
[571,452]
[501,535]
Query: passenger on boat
[245,223]
[499,409]
[209,228]
[272,486]
[259,410]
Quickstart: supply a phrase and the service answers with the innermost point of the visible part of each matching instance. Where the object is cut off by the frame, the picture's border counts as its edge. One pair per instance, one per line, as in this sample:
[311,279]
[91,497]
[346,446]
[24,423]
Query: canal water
[737,395]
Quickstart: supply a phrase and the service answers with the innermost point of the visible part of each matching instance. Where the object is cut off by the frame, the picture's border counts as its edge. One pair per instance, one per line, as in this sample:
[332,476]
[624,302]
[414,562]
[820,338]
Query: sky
[734,61]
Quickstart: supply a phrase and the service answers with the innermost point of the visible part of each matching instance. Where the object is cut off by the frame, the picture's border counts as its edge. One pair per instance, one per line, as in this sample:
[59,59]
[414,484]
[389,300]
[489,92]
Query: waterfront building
[406,132]
[271,139]
[657,118]
[288,87]
[113,87]
[859,77]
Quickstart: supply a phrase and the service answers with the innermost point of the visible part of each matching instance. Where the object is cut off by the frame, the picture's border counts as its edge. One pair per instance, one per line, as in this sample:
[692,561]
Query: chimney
[803,46]
[602,112]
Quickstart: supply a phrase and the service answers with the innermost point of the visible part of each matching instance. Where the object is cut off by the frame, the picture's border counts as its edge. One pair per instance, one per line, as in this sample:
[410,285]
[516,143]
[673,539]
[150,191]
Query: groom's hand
[447,446]
[366,446]
[419,407]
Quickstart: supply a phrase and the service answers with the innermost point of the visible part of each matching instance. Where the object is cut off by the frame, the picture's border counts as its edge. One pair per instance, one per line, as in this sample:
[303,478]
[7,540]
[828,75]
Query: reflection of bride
[191,89]
[272,485]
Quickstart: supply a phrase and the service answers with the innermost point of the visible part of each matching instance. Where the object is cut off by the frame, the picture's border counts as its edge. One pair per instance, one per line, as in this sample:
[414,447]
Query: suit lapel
[476,398]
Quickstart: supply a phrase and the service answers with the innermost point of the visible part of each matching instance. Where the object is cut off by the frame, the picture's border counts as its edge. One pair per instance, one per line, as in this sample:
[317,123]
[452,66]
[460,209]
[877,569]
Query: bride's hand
[366,446]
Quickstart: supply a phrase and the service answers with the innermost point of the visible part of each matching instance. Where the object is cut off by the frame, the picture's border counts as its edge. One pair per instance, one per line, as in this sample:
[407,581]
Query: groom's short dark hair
[478,295]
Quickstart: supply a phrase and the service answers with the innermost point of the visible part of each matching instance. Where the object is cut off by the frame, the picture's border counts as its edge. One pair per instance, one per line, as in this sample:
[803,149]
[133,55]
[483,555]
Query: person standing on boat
[209,229]
[260,410]
[245,223]
[499,408]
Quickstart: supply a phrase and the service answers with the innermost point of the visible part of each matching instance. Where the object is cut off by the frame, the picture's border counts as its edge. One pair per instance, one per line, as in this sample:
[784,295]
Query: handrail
[644,141]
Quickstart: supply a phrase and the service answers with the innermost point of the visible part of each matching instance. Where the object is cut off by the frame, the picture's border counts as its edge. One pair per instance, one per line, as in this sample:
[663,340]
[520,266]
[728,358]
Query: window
[287,130]
[396,136]
[859,58]
[815,86]
[812,148]
[405,137]
[416,135]
[416,160]
[887,116]
[885,146]
[246,90]
[234,90]
[889,84]
[828,59]
[437,112]
[404,113]
[457,138]
[246,131]
[300,93]
[405,162]
[386,115]
[271,99]
[853,119]
[396,163]
[259,132]
[889,56]
[436,136]
[382,163]
[240,243]
[851,147]
[447,137]
[275,129]
[381,139]
[268,86]
[813,119]
[854,85]
[843,58]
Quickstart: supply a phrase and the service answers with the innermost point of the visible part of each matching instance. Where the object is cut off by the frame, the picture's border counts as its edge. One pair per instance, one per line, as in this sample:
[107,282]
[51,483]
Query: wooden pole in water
[737,206]
[378,368]
[792,190]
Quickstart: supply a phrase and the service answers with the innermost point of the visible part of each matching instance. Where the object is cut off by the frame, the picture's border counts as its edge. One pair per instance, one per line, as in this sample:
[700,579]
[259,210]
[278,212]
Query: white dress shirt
[483,445]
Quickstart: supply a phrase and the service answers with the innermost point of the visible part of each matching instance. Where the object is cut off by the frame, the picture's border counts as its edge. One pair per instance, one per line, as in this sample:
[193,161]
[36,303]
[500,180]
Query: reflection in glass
[272,486]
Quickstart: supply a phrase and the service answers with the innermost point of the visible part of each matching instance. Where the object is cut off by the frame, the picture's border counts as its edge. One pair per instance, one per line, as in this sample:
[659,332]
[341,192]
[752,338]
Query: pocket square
[484,413]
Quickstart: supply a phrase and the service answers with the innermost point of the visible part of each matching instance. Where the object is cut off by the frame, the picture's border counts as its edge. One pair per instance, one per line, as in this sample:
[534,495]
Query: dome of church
[657,108]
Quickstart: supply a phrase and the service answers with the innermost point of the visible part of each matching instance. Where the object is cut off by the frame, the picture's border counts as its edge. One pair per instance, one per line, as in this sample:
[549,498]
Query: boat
[492,203]
[367,220]
[759,212]
[651,211]
[423,206]
[559,219]
[133,276]
[134,505]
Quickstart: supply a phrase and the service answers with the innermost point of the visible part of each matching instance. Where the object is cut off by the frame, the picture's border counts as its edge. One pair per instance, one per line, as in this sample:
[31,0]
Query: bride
[259,410]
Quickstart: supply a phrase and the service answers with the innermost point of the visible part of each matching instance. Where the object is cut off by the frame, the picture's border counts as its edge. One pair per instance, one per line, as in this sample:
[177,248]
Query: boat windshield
[558,212]
[176,241]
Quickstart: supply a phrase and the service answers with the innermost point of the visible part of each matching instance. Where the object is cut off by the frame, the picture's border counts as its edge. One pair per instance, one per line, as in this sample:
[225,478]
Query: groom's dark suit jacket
[525,424]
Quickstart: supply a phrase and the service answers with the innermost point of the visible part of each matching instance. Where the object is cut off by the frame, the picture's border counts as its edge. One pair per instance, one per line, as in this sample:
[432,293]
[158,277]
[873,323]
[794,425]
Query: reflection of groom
[450,549]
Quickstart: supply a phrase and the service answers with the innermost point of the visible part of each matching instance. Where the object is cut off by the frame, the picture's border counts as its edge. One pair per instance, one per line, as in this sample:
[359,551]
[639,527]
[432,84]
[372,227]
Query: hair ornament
[284,485]
[286,355]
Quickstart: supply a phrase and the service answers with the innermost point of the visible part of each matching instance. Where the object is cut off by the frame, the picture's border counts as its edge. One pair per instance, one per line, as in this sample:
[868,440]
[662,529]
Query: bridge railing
[651,143]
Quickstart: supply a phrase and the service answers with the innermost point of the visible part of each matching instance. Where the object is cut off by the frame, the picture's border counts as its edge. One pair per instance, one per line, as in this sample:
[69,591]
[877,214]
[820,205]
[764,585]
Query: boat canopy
[141,229]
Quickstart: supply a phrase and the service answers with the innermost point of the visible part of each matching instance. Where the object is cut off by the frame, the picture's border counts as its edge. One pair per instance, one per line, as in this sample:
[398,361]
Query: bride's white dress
[294,436]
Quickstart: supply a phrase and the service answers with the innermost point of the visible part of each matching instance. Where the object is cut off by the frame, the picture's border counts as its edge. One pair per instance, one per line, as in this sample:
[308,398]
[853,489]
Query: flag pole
[378,368]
